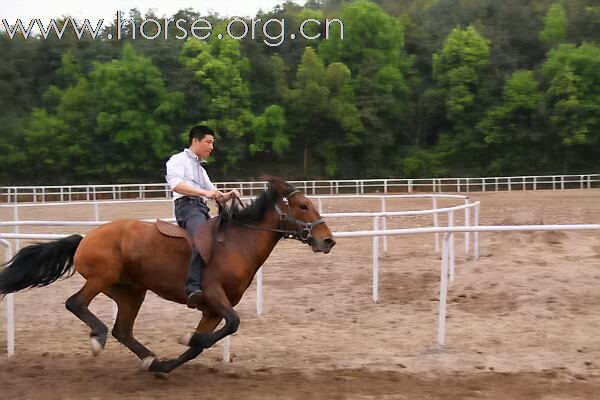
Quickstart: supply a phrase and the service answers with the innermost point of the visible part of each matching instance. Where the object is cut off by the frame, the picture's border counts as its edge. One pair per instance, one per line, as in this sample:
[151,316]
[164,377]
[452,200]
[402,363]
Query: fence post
[375,261]
[226,351]
[467,223]
[10,329]
[451,249]
[16,228]
[443,292]
[476,223]
[436,236]
[115,310]
[10,307]
[384,225]
[259,291]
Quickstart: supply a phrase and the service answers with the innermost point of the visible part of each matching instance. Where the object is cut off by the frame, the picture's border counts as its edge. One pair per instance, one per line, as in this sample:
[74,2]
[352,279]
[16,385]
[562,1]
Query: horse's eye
[303,206]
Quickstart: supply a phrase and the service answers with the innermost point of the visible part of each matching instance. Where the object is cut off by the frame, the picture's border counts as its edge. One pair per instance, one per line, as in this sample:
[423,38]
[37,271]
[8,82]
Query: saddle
[204,238]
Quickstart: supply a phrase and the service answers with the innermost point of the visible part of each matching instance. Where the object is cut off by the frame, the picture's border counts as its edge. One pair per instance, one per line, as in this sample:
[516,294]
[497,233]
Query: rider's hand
[213,194]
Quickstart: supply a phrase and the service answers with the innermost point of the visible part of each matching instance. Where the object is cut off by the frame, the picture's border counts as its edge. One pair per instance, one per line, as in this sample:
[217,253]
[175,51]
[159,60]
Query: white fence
[14,194]
[95,209]
[376,216]
[447,268]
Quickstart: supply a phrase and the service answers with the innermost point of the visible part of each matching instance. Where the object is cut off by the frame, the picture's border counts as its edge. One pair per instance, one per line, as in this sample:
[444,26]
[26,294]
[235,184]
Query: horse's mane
[255,211]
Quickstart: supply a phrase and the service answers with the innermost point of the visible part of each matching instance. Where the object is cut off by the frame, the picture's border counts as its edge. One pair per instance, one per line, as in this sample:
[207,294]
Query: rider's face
[203,147]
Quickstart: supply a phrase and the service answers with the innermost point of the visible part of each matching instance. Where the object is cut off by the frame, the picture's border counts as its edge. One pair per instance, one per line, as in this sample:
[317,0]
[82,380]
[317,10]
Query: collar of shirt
[194,157]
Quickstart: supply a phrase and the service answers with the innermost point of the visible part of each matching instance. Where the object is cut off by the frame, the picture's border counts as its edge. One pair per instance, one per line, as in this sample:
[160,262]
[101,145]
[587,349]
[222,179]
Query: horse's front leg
[217,301]
[207,324]
[216,308]
[206,340]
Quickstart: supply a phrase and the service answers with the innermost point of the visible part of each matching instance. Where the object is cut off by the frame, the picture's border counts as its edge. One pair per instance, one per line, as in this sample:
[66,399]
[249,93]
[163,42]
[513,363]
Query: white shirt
[187,167]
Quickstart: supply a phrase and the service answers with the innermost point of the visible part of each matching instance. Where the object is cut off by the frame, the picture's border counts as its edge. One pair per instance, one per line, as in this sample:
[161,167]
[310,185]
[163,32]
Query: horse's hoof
[185,339]
[96,346]
[146,363]
[161,375]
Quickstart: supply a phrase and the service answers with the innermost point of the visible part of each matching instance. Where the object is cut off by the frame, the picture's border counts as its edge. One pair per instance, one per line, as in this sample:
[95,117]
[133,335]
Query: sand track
[524,321]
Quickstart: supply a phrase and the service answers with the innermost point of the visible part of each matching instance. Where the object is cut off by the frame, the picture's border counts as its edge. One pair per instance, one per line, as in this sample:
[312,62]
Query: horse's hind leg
[78,305]
[129,299]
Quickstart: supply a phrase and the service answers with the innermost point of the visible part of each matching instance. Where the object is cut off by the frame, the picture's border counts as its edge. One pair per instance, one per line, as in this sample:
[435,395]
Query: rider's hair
[198,132]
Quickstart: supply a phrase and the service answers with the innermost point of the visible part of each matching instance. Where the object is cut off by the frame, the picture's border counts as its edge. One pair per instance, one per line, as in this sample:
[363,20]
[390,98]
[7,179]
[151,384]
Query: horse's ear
[276,183]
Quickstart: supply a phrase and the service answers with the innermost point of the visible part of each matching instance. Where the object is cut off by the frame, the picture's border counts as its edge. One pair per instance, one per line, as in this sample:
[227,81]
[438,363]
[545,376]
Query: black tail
[39,264]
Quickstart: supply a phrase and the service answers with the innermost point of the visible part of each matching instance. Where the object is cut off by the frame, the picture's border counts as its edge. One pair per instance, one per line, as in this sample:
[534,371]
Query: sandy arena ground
[523,321]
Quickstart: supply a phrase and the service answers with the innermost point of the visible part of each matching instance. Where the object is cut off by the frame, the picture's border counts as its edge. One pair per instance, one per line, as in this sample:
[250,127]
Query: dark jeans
[190,212]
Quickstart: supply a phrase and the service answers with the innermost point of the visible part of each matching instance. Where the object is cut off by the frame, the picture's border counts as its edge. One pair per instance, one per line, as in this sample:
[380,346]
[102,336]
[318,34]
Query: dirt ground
[523,321]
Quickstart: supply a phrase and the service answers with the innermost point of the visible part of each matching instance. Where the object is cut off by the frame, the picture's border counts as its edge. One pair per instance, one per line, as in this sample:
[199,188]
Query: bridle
[303,231]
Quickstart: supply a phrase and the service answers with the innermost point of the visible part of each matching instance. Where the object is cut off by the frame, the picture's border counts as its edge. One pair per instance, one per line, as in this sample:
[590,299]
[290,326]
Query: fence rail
[14,194]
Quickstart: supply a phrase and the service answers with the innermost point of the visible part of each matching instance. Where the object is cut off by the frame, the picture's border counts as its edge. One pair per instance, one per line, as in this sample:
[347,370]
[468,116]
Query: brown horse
[123,259]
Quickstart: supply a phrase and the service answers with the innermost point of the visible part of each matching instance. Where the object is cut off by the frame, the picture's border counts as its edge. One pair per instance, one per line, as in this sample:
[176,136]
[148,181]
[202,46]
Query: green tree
[573,100]
[555,26]
[110,126]
[221,71]
[457,68]
[373,50]
[65,126]
[269,132]
[322,111]
[512,130]
[134,112]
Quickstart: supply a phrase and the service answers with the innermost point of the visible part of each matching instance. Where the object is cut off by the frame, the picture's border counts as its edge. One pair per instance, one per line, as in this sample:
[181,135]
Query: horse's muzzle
[326,245]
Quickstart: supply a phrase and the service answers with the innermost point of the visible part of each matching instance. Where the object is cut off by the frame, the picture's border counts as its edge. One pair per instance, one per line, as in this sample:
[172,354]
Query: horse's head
[300,218]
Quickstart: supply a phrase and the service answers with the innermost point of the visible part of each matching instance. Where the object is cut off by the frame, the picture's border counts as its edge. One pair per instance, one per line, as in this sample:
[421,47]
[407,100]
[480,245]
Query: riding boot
[190,213]
[192,284]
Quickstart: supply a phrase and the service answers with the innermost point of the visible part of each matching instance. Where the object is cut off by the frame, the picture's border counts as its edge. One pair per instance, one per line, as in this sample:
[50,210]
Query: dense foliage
[415,88]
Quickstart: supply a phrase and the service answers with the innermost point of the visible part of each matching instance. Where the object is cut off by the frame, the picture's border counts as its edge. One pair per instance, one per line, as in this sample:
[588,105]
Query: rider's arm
[175,173]
[188,190]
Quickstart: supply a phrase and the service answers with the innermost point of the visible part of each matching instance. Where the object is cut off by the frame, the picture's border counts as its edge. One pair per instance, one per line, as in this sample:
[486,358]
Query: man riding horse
[191,188]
